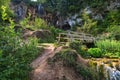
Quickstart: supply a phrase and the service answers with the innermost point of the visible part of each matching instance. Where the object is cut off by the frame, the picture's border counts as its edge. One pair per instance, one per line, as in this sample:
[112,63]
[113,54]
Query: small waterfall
[34,0]
[40,10]
[88,10]
[106,70]
[19,12]
[113,74]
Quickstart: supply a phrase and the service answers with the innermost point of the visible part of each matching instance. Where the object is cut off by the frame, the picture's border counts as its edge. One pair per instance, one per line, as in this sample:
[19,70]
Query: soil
[42,70]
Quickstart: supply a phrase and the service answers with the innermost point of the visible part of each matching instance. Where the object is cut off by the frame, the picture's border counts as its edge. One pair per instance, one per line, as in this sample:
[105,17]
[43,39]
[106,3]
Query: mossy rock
[43,34]
[68,56]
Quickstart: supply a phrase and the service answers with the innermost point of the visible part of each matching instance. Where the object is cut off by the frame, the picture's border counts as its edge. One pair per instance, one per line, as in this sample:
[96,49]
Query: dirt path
[42,59]
[45,70]
[40,63]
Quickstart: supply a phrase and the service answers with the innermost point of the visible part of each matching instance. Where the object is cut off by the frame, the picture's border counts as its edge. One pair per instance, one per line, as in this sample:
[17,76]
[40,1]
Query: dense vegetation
[16,53]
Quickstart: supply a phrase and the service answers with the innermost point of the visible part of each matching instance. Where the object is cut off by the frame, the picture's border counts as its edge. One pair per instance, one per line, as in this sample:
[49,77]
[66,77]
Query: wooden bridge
[70,36]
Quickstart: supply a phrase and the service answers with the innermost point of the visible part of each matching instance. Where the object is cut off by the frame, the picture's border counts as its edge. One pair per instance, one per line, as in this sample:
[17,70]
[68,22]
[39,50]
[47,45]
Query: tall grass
[112,46]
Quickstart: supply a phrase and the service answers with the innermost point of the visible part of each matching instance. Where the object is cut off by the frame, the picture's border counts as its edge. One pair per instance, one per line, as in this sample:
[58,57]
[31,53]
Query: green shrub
[40,24]
[15,54]
[112,55]
[95,52]
[55,31]
[4,6]
[14,62]
[83,70]
[36,24]
[113,17]
[89,24]
[68,56]
[0,53]
[28,51]
[76,45]
[86,72]
[114,31]
[50,38]
[108,54]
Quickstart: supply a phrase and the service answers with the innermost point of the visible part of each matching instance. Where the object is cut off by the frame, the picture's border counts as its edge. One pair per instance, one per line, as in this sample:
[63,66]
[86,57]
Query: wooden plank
[76,33]
[59,38]
[79,33]
[72,36]
[76,38]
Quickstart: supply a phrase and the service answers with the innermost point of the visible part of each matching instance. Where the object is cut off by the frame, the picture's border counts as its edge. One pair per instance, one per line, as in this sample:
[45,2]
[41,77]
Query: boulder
[43,34]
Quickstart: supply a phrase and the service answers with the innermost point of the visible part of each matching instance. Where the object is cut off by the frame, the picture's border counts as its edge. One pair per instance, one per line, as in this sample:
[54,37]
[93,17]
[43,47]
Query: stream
[110,68]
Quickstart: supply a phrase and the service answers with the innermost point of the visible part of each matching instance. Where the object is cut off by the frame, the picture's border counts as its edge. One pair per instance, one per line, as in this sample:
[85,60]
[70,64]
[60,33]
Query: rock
[43,34]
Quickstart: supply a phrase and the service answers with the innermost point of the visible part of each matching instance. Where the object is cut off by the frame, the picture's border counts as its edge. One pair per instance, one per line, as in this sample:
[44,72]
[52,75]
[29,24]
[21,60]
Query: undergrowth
[110,48]
[15,53]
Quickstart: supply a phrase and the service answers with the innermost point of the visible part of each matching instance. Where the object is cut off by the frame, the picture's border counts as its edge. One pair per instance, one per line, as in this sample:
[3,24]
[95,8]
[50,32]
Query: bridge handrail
[71,36]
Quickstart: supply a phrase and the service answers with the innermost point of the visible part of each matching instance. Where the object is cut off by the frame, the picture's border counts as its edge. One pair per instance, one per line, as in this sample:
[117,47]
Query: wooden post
[59,38]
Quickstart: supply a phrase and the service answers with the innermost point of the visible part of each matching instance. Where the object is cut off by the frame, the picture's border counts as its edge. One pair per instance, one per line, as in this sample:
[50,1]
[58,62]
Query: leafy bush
[113,17]
[89,24]
[55,31]
[50,38]
[112,55]
[95,52]
[14,65]
[86,72]
[36,24]
[28,50]
[40,24]
[75,45]
[115,31]
[15,54]
[4,5]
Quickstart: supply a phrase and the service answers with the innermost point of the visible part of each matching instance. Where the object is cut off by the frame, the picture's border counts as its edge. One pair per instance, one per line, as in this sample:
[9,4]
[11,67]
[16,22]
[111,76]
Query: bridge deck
[70,36]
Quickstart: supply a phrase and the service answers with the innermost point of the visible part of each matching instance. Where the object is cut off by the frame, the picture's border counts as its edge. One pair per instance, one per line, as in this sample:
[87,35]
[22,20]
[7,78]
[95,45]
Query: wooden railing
[70,36]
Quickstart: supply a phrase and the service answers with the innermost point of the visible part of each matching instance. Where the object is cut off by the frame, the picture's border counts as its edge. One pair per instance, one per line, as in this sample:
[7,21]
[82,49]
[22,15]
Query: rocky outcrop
[43,34]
